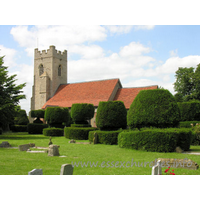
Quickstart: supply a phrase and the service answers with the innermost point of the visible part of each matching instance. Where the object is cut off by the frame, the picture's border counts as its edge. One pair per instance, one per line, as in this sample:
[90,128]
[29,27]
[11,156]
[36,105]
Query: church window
[59,70]
[41,70]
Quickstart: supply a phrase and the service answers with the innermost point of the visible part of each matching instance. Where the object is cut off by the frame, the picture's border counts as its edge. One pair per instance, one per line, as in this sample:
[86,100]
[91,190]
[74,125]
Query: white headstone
[36,172]
[66,169]
[157,169]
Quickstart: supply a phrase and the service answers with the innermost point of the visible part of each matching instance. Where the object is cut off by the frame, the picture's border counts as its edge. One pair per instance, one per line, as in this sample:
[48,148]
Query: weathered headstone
[5,144]
[31,145]
[157,169]
[72,141]
[24,147]
[66,169]
[53,150]
[36,172]
[179,150]
[95,138]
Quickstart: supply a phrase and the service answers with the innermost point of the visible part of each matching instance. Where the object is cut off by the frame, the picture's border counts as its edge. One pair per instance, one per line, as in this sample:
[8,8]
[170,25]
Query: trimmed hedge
[53,132]
[19,128]
[190,111]
[159,140]
[153,108]
[105,137]
[21,118]
[56,116]
[80,125]
[77,133]
[187,124]
[111,115]
[34,128]
[81,112]
[38,114]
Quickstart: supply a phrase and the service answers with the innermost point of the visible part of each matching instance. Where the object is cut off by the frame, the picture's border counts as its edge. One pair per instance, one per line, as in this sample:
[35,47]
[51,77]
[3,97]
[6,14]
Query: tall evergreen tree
[10,95]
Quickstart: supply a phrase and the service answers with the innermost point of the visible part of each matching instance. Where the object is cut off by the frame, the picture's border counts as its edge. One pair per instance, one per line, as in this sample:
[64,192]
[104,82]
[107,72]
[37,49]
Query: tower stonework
[50,70]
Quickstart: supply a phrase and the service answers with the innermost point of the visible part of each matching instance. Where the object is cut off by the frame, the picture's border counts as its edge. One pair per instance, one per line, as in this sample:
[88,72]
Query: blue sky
[138,55]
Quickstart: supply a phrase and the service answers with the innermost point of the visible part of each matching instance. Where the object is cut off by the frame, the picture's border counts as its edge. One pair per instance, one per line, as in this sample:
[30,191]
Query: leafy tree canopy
[10,95]
[187,84]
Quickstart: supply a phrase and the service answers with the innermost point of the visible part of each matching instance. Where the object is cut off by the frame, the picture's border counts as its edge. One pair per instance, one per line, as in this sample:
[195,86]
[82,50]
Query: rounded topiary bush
[57,117]
[53,132]
[37,114]
[81,112]
[111,115]
[21,118]
[156,108]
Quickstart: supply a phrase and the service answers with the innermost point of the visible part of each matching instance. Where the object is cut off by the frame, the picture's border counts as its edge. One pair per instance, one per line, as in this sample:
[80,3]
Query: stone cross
[157,169]
[66,169]
[53,150]
[36,172]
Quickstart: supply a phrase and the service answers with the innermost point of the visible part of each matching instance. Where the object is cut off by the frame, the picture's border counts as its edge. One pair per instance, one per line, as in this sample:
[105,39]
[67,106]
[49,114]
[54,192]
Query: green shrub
[37,114]
[81,112]
[21,118]
[80,125]
[53,132]
[1,131]
[19,128]
[190,111]
[34,128]
[153,108]
[159,140]
[77,133]
[111,115]
[187,124]
[56,116]
[105,137]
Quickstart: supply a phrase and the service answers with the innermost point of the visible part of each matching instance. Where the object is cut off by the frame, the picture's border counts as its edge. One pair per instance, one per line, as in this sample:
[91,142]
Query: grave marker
[157,169]
[66,169]
[36,172]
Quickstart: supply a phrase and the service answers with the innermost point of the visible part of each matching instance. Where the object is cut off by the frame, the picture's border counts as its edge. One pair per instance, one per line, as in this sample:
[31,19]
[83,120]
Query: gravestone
[31,145]
[5,144]
[36,172]
[72,141]
[95,138]
[53,150]
[157,169]
[24,147]
[66,169]
[179,150]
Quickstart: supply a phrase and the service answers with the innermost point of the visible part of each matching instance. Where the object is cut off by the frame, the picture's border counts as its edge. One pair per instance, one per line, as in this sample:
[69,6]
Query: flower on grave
[170,173]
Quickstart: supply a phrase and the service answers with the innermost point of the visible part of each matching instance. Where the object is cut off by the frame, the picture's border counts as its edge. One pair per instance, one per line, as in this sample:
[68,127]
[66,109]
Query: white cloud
[119,29]
[62,37]
[9,59]
[144,27]
[173,53]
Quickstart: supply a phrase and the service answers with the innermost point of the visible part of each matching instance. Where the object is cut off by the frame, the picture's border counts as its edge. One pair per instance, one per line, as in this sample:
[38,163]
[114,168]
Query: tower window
[41,70]
[59,70]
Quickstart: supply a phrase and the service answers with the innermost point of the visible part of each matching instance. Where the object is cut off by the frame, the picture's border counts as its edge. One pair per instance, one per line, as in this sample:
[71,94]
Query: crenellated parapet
[51,52]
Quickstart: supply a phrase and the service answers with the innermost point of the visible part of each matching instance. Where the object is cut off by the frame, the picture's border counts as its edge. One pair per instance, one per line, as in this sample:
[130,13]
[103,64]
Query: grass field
[111,159]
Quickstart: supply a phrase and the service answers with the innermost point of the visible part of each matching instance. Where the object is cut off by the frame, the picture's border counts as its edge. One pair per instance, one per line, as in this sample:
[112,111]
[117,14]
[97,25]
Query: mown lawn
[109,158]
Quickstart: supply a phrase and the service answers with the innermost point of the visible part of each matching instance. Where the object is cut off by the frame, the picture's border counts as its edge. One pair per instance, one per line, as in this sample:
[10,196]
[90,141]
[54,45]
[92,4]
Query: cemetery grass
[109,158]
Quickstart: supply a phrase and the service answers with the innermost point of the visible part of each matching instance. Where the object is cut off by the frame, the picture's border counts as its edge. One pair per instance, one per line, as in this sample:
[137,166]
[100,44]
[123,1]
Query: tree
[185,83]
[10,95]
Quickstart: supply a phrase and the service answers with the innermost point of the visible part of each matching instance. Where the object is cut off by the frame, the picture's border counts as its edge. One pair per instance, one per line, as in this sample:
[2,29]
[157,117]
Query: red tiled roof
[86,92]
[127,95]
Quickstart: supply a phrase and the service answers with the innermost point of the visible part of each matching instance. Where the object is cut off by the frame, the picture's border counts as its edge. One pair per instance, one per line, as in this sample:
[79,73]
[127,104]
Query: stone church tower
[50,70]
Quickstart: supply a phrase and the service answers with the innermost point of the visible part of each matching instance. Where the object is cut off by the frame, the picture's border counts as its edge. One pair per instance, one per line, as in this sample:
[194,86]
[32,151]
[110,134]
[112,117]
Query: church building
[51,88]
